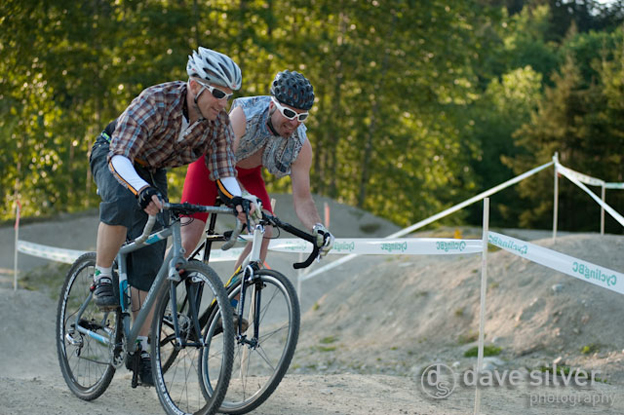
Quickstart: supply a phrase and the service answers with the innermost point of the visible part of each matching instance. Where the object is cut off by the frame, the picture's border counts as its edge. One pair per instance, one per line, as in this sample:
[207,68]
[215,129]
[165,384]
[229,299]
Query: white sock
[102,272]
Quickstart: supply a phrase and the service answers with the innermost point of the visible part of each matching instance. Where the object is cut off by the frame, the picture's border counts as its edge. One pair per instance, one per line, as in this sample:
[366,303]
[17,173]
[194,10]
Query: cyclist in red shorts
[269,132]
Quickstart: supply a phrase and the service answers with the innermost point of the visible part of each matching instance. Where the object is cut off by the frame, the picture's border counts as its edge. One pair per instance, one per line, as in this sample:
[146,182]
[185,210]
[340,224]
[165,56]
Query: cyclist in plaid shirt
[167,125]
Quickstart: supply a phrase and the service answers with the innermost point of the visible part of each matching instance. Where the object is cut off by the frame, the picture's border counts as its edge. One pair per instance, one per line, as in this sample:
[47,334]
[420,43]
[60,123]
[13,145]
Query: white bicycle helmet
[215,68]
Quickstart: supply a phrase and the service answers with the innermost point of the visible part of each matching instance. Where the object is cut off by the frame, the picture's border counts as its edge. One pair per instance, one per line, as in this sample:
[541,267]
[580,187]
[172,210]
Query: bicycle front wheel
[176,362]
[85,335]
[262,357]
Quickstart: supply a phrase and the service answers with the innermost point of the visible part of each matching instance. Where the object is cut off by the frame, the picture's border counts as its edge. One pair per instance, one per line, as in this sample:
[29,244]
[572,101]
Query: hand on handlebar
[324,239]
[150,200]
[247,206]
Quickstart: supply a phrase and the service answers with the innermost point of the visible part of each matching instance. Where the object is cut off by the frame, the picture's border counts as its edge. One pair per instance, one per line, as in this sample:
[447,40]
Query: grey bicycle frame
[173,257]
[168,270]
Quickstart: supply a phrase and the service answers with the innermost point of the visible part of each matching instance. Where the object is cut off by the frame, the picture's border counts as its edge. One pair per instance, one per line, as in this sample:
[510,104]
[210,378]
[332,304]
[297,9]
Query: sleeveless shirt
[279,152]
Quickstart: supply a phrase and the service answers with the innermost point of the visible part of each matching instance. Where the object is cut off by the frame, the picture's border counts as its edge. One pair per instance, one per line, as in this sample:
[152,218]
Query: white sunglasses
[290,114]
[216,92]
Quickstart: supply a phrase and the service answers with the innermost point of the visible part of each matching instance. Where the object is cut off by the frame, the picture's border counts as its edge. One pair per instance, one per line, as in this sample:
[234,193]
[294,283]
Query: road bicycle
[267,318]
[92,344]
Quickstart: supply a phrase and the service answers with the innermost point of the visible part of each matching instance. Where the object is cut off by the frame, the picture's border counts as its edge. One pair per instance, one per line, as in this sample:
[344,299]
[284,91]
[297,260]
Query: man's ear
[193,84]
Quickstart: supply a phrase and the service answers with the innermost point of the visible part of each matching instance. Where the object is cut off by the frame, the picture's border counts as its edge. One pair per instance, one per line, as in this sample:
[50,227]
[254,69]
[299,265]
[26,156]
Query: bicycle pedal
[135,380]
[133,364]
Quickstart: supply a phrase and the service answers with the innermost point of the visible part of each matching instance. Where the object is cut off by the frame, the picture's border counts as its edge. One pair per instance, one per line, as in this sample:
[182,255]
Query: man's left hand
[324,239]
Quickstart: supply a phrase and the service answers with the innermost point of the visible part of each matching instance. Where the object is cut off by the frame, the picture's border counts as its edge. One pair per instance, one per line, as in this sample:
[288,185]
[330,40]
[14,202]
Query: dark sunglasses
[290,114]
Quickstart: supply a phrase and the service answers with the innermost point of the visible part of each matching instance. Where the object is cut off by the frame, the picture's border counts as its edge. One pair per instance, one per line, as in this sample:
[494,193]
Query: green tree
[582,123]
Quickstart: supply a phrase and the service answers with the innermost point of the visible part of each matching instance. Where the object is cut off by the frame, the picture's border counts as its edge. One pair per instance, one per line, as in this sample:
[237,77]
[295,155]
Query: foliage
[582,122]
[488,350]
[419,105]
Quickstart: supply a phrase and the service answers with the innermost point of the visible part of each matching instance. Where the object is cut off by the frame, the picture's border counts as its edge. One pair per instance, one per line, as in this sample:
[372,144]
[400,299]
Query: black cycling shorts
[119,206]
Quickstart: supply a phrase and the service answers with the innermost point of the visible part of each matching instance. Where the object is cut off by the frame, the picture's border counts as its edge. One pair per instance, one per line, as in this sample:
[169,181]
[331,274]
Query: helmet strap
[270,122]
[195,105]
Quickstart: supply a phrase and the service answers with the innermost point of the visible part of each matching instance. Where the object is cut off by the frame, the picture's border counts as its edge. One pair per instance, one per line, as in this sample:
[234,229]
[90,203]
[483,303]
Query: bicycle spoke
[85,361]
[179,370]
[260,365]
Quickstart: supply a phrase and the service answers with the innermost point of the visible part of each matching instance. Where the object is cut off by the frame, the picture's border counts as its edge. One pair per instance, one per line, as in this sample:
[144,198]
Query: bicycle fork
[194,295]
[250,280]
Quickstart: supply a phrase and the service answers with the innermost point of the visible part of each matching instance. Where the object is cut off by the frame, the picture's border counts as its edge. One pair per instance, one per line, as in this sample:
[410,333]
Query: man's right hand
[150,200]
[247,203]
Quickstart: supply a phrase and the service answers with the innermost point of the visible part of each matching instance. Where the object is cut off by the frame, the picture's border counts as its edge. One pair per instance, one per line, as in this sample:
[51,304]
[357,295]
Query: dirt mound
[403,312]
[366,319]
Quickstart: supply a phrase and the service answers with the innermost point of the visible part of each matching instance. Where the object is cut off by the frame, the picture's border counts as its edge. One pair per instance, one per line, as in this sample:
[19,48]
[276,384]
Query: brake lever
[247,220]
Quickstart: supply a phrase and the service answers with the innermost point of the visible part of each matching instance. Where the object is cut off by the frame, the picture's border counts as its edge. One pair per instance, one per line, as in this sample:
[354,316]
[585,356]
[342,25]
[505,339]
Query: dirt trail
[370,328]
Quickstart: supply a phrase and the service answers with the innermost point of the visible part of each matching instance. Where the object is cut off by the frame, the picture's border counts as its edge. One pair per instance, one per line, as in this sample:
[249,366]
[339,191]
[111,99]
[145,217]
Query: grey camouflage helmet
[292,88]
[215,68]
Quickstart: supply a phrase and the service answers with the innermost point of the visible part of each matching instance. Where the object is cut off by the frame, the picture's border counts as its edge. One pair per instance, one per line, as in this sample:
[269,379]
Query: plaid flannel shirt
[148,132]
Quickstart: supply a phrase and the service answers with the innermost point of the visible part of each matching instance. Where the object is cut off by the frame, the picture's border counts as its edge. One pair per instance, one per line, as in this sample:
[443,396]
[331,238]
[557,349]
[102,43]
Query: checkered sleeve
[136,125]
[220,159]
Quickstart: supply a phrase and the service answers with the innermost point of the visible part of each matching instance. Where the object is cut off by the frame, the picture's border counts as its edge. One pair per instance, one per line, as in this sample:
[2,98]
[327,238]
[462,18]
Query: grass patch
[329,340]
[590,348]
[468,337]
[487,351]
[326,348]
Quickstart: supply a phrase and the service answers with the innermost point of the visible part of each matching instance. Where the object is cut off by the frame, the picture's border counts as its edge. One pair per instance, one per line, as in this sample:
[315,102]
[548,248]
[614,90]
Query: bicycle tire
[258,371]
[86,364]
[177,371]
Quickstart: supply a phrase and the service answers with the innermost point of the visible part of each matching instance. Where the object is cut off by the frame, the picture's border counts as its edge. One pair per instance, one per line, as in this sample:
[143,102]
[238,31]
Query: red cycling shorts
[200,190]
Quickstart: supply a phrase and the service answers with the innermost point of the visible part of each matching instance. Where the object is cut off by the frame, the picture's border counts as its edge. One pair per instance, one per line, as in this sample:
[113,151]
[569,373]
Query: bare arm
[302,199]
[238,120]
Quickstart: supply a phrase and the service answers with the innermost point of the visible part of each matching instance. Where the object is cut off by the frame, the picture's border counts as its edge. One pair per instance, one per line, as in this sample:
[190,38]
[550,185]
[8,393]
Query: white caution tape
[218,255]
[67,256]
[614,186]
[573,178]
[583,270]
[583,178]
[431,219]
[405,246]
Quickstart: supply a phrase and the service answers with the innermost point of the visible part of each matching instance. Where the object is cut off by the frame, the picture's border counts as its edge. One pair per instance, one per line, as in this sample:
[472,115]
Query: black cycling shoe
[145,371]
[104,293]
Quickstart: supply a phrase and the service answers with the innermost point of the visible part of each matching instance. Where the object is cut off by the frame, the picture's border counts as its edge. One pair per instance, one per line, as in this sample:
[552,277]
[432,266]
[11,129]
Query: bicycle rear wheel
[85,343]
[176,367]
[259,366]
